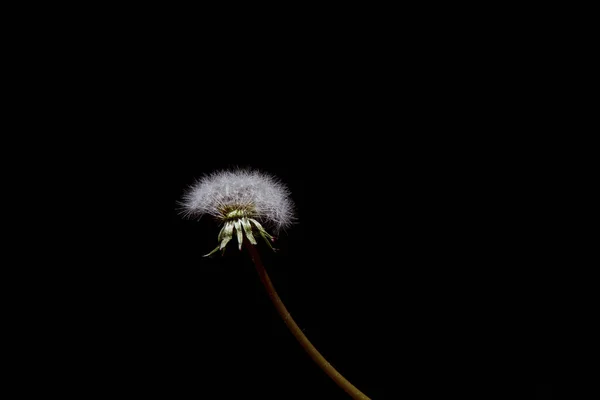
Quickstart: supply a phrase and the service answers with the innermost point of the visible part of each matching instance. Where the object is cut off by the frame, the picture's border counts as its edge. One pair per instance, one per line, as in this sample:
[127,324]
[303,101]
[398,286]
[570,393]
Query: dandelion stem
[297,332]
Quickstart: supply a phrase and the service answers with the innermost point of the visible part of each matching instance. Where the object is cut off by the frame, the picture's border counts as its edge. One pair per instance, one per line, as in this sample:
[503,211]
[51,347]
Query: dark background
[409,267]
[392,268]
[388,270]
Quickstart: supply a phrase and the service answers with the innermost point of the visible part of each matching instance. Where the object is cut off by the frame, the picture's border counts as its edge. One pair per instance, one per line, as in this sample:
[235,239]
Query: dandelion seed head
[229,195]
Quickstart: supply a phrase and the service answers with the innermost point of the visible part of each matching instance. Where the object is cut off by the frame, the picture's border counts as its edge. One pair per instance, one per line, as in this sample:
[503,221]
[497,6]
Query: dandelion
[240,199]
[244,200]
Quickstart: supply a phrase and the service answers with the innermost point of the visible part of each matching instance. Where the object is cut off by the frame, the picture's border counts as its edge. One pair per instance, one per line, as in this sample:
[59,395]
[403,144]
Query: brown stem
[297,332]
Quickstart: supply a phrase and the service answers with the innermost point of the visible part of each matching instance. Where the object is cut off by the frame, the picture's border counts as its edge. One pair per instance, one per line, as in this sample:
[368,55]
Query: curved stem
[297,332]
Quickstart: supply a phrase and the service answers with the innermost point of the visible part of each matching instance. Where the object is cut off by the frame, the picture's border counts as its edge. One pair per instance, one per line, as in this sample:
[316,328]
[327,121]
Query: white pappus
[243,199]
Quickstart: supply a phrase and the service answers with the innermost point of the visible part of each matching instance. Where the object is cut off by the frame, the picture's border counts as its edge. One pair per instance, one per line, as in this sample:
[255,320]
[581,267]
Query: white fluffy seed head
[227,193]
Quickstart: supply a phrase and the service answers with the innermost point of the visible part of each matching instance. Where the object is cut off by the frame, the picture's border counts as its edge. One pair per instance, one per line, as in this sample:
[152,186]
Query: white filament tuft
[259,194]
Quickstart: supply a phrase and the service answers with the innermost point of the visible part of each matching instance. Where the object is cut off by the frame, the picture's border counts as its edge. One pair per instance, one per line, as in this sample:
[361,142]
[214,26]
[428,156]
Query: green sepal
[263,233]
[260,228]
[248,229]
[240,235]
[267,241]
[212,252]
[221,233]
[227,234]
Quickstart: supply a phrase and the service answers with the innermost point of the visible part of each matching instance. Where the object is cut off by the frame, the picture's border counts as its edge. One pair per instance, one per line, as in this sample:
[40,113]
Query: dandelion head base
[240,223]
[237,213]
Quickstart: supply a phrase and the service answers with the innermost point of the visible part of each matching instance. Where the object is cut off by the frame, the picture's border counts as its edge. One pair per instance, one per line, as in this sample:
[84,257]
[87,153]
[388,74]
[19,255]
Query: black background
[388,270]
[405,268]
